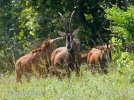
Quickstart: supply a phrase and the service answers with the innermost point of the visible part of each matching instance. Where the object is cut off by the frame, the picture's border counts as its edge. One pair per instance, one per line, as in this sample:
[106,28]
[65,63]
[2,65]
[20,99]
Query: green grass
[113,86]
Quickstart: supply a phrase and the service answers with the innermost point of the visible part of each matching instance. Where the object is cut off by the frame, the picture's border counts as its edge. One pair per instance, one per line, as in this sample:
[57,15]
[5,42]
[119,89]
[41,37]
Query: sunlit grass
[113,86]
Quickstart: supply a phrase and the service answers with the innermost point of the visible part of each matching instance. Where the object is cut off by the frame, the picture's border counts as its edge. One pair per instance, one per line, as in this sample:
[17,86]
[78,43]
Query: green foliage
[30,22]
[121,22]
[125,60]
[126,65]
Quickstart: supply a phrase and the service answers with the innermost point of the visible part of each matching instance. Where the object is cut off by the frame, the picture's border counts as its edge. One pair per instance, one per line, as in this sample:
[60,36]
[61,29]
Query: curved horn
[63,21]
[58,39]
[71,21]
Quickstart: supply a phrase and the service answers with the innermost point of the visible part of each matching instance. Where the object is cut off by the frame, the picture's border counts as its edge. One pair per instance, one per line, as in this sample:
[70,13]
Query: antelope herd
[48,60]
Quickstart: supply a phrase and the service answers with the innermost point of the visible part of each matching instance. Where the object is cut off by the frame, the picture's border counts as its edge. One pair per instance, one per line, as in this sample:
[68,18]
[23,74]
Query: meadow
[114,86]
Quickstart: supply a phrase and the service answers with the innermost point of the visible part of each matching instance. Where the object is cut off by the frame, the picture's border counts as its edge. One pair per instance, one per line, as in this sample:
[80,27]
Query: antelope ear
[76,32]
[61,33]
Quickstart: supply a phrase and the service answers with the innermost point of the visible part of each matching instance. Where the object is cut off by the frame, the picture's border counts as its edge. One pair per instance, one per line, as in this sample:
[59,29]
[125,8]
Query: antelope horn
[71,21]
[57,39]
[63,21]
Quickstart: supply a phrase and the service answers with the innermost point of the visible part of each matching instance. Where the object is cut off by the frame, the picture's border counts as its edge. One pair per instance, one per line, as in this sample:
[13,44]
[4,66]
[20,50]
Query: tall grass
[114,86]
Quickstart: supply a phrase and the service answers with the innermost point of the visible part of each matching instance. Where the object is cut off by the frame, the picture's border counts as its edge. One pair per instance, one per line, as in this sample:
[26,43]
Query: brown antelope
[66,59]
[37,61]
[109,48]
[98,58]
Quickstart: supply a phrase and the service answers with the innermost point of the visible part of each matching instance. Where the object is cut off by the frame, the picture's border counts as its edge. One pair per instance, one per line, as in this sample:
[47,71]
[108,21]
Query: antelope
[109,48]
[98,58]
[37,61]
[66,59]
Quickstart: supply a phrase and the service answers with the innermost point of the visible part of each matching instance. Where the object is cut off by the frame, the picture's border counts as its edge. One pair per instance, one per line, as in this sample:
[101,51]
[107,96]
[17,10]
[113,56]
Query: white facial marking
[66,42]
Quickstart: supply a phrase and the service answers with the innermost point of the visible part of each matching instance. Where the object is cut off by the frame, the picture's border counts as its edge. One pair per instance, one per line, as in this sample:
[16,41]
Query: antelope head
[68,34]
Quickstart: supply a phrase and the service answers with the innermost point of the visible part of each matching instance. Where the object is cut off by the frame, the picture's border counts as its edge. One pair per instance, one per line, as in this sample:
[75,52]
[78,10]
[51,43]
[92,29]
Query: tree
[122,22]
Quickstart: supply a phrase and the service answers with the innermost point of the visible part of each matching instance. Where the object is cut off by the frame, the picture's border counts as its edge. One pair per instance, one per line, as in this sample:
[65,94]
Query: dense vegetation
[26,23]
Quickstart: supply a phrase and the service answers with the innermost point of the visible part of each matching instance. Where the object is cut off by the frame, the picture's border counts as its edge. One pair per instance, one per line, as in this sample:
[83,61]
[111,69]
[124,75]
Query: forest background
[26,23]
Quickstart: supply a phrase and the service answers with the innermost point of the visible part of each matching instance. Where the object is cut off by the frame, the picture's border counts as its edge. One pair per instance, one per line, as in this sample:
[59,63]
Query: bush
[122,22]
